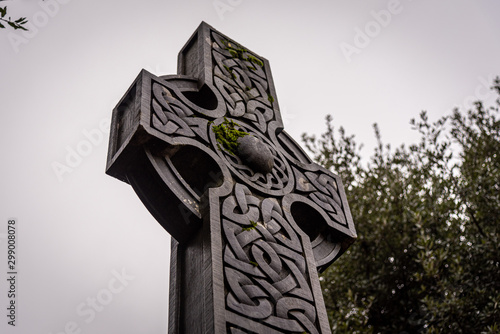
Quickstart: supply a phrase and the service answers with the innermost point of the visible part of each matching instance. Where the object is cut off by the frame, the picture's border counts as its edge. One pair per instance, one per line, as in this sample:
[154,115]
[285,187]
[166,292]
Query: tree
[427,255]
[16,24]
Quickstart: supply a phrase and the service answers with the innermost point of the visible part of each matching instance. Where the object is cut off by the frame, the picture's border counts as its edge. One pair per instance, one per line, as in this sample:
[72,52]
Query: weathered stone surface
[255,154]
[251,229]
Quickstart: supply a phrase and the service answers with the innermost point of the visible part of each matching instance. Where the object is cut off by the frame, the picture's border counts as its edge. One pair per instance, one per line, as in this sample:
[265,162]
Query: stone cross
[253,219]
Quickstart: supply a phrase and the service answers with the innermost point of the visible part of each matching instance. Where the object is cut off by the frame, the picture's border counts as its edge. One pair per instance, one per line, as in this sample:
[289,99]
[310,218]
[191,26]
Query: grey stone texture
[250,230]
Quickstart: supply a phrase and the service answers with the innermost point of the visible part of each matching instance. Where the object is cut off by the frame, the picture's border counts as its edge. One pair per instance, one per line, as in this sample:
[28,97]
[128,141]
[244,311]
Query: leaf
[412,207]
[2,26]
[3,11]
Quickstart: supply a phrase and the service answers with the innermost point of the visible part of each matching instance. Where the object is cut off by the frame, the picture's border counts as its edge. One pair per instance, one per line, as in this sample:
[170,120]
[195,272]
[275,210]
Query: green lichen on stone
[253,263]
[255,60]
[236,51]
[230,70]
[270,98]
[252,227]
[227,136]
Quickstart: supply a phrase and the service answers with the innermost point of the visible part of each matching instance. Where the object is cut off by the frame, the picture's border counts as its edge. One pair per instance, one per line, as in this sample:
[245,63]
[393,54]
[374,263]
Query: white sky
[65,76]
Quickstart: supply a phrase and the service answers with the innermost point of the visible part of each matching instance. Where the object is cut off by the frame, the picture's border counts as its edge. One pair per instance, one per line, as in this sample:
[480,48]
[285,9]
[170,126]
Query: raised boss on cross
[253,219]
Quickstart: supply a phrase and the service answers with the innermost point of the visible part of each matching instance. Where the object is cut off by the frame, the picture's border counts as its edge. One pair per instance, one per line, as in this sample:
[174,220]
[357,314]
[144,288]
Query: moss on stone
[252,226]
[239,52]
[227,136]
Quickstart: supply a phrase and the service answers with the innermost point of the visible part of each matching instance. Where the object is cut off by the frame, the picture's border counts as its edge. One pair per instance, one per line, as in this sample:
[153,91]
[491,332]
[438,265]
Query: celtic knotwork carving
[172,116]
[252,225]
[323,190]
[264,264]
[278,182]
[241,79]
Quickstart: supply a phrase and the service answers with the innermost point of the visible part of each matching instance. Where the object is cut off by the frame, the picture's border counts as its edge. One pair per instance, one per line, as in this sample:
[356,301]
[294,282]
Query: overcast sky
[91,259]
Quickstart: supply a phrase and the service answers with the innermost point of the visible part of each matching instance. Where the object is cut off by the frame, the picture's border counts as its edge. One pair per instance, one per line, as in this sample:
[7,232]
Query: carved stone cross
[252,217]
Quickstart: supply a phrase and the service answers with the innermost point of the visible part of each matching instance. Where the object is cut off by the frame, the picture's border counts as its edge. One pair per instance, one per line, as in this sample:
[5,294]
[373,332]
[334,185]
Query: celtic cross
[253,219]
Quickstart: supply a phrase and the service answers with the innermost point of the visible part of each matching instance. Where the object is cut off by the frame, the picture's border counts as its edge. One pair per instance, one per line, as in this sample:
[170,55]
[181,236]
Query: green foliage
[16,24]
[227,136]
[427,255]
